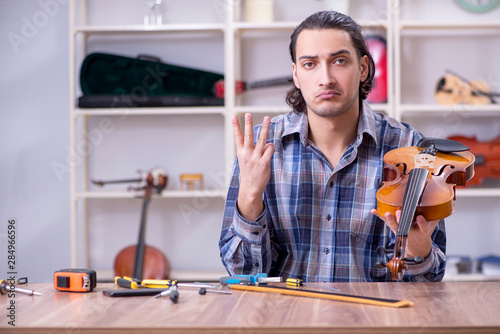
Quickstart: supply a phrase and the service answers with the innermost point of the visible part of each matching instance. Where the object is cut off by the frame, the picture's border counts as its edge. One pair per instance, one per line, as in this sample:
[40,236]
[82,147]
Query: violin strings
[413,193]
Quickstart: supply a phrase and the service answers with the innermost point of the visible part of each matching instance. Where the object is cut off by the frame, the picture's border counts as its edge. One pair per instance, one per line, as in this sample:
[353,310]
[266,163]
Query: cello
[142,261]
[420,180]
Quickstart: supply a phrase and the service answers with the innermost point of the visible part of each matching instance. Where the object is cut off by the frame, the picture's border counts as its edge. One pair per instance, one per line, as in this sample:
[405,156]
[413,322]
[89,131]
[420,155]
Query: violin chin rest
[442,145]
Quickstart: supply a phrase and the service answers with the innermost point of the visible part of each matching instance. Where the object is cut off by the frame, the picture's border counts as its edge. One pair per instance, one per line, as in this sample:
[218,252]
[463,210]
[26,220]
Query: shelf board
[470,278]
[449,25]
[478,192]
[148,111]
[290,25]
[164,194]
[127,29]
[487,109]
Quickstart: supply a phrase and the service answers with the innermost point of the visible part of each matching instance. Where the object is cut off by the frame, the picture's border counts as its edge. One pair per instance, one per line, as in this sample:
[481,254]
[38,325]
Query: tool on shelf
[300,282]
[256,279]
[6,288]
[172,292]
[203,291]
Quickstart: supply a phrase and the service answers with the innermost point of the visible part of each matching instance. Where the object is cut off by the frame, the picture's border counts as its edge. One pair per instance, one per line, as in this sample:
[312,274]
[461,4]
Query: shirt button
[264,226]
[326,250]
[331,184]
[257,264]
[328,217]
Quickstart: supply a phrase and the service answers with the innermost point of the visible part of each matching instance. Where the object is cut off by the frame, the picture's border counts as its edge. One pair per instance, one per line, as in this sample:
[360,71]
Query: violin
[453,89]
[420,180]
[487,164]
[142,261]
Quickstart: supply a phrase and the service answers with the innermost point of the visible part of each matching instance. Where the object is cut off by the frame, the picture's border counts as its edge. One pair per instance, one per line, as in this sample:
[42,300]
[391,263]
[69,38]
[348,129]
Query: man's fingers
[238,135]
[263,133]
[248,130]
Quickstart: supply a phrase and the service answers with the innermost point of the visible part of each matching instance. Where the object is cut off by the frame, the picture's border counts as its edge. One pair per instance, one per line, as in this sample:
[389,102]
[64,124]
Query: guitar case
[109,80]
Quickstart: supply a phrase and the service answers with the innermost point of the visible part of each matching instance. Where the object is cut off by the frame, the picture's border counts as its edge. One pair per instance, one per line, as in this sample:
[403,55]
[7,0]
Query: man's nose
[327,76]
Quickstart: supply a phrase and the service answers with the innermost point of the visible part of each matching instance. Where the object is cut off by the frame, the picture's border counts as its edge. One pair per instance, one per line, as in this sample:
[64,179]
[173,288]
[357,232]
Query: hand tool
[75,280]
[6,288]
[325,295]
[172,292]
[249,279]
[300,282]
[204,291]
[132,292]
[130,283]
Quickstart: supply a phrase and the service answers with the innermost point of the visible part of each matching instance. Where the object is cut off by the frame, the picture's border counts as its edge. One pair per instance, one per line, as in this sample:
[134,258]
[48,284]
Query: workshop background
[37,81]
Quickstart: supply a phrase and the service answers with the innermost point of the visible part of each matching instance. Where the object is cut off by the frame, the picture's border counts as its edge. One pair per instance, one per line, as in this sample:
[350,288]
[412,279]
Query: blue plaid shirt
[316,224]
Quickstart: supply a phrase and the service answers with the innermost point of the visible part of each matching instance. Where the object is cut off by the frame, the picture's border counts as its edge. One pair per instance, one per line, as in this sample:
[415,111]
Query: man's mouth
[328,94]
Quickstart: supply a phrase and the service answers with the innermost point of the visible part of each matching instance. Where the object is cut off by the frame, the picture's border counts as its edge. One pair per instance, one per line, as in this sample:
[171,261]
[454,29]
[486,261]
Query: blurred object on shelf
[487,164]
[378,49]
[152,17]
[481,6]
[191,181]
[453,89]
[341,6]
[489,265]
[261,11]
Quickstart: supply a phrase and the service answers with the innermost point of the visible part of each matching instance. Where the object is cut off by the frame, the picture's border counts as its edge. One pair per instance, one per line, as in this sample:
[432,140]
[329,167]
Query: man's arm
[244,243]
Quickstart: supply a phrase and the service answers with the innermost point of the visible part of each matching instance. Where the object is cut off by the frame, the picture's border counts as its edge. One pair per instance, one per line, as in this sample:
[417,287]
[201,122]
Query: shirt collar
[297,123]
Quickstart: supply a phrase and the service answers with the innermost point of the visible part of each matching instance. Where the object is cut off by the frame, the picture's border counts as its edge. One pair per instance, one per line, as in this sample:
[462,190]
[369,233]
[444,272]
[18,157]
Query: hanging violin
[420,180]
[142,261]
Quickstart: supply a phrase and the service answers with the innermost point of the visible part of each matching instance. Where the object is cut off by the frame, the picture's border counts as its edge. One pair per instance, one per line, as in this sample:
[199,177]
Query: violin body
[155,264]
[420,180]
[437,199]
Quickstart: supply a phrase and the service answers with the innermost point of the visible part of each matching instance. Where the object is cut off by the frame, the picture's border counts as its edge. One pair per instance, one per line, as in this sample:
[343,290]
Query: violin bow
[325,295]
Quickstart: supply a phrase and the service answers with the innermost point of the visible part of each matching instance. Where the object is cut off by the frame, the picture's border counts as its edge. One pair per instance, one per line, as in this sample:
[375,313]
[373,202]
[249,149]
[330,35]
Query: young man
[302,197]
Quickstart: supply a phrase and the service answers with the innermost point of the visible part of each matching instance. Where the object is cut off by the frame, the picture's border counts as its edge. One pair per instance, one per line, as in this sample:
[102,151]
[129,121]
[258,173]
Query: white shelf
[127,29]
[149,111]
[478,110]
[290,25]
[434,25]
[379,107]
[164,194]
[478,192]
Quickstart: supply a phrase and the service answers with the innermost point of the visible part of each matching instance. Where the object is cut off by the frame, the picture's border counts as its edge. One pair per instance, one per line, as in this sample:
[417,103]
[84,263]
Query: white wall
[34,133]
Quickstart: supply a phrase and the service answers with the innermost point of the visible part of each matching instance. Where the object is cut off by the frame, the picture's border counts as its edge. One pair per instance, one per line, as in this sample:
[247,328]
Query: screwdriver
[172,292]
[249,279]
[300,282]
[6,288]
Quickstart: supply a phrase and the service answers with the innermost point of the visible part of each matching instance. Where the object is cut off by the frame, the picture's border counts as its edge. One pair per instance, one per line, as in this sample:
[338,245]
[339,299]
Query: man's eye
[308,64]
[341,61]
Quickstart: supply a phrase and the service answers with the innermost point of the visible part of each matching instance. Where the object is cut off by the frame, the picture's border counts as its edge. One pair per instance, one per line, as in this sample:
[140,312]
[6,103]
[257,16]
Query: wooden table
[447,307]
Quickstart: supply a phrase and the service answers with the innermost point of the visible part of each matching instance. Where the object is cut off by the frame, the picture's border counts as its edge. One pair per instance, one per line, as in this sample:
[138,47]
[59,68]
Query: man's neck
[332,135]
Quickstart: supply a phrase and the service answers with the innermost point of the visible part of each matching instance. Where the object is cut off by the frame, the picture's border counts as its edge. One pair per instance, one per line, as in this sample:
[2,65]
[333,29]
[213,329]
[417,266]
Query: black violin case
[108,80]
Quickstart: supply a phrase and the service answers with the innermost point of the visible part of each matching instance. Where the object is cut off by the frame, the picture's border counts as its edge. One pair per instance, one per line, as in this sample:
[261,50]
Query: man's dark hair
[331,20]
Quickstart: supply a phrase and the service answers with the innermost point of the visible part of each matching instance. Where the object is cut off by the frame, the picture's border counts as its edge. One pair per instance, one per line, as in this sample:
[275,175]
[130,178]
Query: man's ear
[363,63]
[295,80]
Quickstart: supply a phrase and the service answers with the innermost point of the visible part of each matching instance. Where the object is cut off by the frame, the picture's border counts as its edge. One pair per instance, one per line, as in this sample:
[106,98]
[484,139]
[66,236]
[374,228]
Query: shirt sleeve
[244,244]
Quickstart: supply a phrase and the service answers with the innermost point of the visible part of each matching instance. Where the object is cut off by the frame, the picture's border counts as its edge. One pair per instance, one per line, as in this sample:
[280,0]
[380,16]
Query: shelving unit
[233,32]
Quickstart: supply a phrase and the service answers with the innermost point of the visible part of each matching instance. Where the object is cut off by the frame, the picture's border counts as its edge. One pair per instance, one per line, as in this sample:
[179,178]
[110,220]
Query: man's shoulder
[392,132]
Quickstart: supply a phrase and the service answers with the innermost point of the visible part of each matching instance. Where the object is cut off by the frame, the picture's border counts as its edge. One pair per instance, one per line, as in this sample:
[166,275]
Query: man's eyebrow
[334,54]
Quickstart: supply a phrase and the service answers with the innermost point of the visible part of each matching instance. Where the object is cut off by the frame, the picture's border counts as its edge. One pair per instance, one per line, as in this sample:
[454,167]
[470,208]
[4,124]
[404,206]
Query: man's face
[327,71]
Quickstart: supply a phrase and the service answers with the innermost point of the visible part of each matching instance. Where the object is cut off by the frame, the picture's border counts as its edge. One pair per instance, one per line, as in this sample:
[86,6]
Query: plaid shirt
[316,223]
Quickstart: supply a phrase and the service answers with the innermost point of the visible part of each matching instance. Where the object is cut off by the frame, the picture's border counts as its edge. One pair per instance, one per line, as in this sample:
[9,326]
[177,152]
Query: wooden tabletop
[457,307]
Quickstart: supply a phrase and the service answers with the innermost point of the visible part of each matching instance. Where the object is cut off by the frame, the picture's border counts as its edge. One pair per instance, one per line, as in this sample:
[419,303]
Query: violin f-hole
[441,169]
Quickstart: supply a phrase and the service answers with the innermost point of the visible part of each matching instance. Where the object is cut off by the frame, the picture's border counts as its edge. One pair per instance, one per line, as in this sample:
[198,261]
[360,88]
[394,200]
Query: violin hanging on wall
[142,261]
[420,180]
[487,153]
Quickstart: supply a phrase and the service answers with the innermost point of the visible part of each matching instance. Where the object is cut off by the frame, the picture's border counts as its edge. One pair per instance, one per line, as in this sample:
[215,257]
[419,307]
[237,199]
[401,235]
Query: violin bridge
[425,160]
